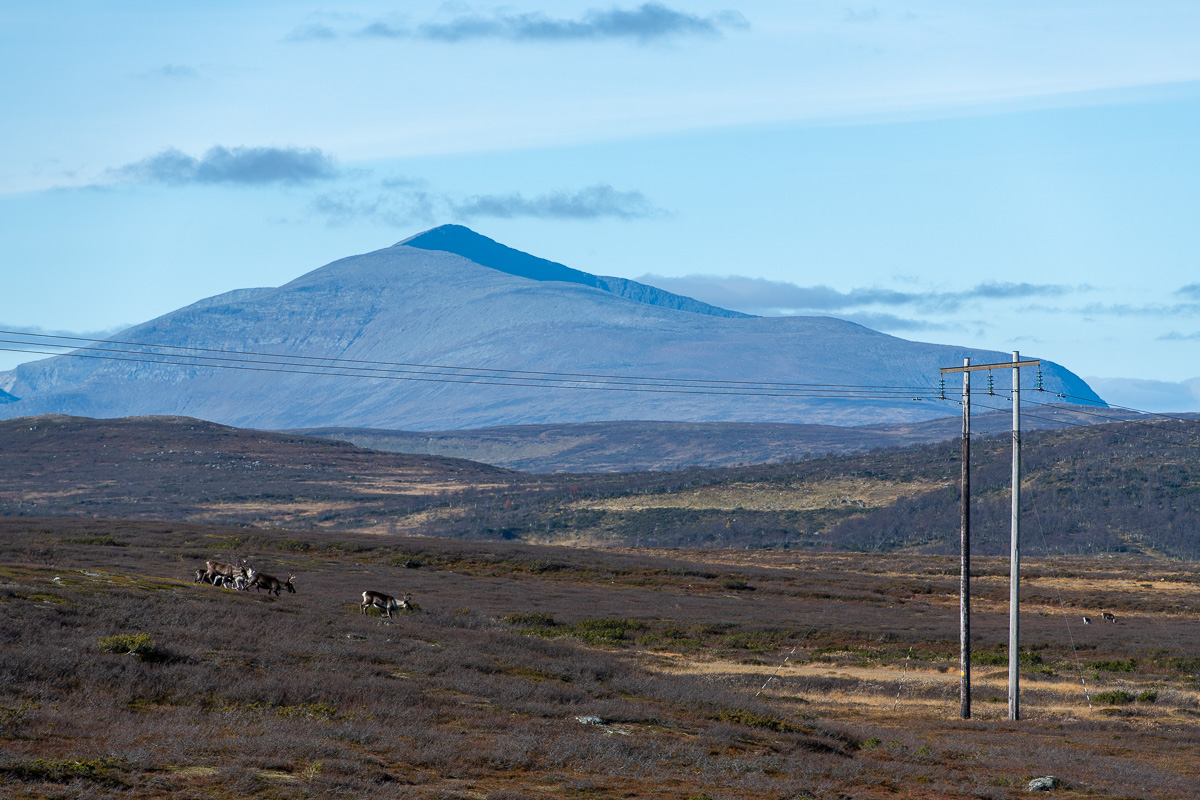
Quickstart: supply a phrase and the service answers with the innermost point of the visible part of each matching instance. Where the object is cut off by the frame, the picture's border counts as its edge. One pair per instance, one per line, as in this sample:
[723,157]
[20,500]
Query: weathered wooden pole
[964,592]
[964,581]
[1014,561]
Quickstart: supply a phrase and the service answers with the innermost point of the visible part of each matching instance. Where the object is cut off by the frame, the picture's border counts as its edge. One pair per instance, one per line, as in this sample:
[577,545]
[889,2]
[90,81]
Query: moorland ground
[1130,487]
[537,671]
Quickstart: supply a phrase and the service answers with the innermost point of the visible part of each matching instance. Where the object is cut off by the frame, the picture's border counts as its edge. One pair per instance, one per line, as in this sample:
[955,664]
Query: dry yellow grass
[899,688]
[756,497]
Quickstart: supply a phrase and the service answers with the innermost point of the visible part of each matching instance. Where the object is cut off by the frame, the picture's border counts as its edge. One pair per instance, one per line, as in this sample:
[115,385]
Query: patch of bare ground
[531,671]
[759,497]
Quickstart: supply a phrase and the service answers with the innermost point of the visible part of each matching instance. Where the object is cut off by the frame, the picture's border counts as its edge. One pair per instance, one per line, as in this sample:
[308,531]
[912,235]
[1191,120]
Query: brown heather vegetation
[121,678]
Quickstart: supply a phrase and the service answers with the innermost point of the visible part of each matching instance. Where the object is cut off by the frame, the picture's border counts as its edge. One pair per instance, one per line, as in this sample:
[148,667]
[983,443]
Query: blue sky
[1017,175]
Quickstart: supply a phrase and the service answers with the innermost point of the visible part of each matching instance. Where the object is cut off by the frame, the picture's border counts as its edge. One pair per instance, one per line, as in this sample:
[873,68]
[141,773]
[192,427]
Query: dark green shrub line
[102,541]
[105,771]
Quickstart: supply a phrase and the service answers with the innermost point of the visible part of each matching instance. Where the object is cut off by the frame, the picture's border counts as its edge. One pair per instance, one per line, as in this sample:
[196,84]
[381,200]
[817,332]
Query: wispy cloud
[173,72]
[592,202]
[401,200]
[1176,336]
[388,208]
[1161,310]
[861,14]
[1192,290]
[312,32]
[645,23]
[761,296]
[232,165]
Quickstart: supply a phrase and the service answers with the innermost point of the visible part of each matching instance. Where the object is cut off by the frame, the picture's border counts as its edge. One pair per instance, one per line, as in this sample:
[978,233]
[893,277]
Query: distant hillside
[187,469]
[451,330]
[626,446]
[1131,487]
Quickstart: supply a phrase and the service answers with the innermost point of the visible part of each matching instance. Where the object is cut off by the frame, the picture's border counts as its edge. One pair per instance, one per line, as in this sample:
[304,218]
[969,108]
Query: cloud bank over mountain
[1162,397]
[762,296]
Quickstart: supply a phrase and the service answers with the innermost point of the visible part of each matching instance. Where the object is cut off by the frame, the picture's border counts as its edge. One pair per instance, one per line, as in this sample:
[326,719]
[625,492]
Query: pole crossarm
[1001,365]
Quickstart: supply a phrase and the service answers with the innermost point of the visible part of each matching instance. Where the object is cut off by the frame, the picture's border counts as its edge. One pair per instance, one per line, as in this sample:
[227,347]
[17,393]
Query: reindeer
[1109,617]
[225,571]
[262,580]
[385,602]
[201,576]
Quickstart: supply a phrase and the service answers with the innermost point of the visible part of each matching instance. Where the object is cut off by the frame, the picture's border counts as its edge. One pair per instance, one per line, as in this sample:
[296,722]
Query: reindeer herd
[241,576]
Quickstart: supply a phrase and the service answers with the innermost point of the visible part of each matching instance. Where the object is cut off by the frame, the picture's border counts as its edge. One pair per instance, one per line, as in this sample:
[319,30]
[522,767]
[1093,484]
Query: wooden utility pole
[1014,557]
[964,593]
[964,579]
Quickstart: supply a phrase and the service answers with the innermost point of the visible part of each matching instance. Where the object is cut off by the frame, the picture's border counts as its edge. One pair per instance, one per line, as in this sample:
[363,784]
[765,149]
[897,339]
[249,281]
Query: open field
[120,677]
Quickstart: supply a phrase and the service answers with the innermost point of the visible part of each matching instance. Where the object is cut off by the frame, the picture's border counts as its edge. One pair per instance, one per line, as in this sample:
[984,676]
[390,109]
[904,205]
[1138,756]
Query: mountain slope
[407,305]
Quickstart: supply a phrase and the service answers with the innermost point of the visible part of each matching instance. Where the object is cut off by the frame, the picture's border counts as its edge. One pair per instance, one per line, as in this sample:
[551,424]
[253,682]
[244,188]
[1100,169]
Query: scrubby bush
[134,644]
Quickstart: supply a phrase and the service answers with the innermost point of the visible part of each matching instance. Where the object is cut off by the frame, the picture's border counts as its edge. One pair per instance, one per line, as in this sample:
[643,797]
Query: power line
[1134,410]
[1092,427]
[337,367]
[745,389]
[337,361]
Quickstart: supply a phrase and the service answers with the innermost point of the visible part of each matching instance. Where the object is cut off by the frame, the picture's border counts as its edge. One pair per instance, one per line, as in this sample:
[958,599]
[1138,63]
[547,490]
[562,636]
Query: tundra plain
[538,671]
[768,631]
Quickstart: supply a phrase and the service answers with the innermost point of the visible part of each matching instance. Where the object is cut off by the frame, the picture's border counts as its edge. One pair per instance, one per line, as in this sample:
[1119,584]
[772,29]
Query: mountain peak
[486,252]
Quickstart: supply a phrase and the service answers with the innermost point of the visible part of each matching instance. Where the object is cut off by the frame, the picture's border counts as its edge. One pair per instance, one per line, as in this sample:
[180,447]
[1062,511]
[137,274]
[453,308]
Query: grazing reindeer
[1087,620]
[1109,617]
[262,580]
[226,571]
[385,602]
[201,576]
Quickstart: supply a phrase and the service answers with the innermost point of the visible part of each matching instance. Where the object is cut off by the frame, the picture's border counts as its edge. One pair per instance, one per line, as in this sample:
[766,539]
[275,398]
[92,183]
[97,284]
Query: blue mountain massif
[454,298]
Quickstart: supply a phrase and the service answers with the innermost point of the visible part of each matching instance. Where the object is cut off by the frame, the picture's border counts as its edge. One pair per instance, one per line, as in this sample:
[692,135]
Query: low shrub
[133,644]
[751,719]
[1115,697]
